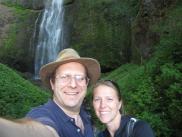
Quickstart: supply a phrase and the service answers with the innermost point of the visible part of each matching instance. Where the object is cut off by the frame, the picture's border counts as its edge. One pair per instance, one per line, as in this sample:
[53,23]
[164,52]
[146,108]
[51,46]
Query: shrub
[17,95]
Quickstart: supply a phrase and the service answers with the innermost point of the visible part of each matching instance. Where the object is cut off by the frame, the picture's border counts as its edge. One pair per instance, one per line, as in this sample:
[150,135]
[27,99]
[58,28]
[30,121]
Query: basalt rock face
[16,31]
[102,31]
[143,38]
[32,4]
[114,32]
[17,26]
[117,32]
[5,19]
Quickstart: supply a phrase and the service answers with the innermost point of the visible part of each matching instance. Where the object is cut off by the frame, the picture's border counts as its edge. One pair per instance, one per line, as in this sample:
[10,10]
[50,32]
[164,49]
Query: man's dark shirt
[50,114]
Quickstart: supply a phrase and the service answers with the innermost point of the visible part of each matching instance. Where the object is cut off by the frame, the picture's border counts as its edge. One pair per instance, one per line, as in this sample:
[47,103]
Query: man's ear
[52,84]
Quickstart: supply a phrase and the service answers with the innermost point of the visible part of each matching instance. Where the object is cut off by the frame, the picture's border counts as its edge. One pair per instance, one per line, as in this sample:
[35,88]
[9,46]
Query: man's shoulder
[43,109]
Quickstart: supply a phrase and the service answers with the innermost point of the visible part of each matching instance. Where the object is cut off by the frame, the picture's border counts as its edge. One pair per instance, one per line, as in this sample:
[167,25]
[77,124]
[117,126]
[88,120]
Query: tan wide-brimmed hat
[70,55]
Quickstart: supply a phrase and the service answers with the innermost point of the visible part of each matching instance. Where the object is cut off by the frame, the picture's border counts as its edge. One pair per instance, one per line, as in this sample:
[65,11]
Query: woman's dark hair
[115,86]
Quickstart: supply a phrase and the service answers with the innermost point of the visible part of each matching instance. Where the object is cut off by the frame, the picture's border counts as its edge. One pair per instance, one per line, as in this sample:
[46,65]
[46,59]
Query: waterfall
[50,34]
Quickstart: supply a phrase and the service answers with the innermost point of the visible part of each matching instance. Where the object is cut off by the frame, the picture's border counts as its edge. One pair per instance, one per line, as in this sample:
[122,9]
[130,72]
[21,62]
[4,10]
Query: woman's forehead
[105,90]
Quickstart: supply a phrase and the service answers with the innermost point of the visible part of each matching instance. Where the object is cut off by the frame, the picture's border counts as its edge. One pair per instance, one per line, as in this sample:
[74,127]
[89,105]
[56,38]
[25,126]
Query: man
[64,116]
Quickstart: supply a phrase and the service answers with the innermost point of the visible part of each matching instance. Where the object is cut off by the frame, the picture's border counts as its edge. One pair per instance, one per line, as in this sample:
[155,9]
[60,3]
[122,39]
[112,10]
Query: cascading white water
[50,37]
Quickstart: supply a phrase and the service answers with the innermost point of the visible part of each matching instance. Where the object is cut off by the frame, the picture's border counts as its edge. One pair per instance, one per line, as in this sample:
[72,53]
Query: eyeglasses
[66,78]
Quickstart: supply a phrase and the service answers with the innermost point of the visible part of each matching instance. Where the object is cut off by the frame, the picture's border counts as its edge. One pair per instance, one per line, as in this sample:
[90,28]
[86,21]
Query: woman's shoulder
[142,129]
[131,126]
[138,127]
[132,119]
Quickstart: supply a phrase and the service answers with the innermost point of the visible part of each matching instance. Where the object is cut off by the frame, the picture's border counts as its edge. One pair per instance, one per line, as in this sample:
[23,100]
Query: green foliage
[8,52]
[17,95]
[167,71]
[13,4]
[16,44]
[104,23]
[153,90]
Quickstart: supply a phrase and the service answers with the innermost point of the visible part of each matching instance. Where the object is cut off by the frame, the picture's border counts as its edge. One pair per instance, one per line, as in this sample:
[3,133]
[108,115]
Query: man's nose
[73,82]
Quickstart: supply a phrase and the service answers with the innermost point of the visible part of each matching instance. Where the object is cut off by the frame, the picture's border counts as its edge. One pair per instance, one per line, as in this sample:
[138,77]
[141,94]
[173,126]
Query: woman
[107,103]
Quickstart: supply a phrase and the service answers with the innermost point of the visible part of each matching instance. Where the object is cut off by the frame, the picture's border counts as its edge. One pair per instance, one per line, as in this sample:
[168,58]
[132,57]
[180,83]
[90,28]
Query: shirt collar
[65,117]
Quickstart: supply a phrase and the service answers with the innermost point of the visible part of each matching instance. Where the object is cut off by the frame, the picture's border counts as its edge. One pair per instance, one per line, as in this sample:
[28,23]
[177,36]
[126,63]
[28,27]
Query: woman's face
[106,104]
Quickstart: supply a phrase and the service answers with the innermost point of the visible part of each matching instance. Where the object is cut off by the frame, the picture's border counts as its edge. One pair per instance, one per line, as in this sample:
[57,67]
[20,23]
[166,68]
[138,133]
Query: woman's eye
[109,99]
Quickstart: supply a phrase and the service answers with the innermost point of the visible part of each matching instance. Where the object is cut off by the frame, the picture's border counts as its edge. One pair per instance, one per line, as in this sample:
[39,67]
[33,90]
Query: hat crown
[67,54]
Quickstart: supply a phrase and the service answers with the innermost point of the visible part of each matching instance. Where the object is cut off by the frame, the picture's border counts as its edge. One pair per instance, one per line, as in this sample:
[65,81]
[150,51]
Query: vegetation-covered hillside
[18,95]
[114,32]
[153,90]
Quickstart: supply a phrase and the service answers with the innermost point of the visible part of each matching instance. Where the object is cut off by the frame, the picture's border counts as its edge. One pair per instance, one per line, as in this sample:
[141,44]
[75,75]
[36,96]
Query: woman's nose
[102,104]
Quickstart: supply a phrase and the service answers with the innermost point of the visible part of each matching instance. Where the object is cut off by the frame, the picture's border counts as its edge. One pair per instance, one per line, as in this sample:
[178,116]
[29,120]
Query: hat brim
[92,67]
